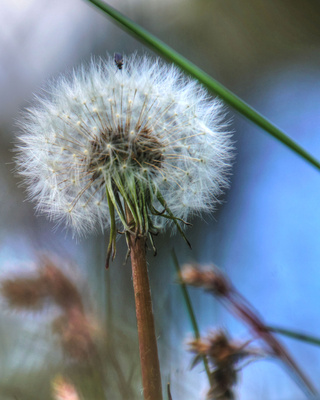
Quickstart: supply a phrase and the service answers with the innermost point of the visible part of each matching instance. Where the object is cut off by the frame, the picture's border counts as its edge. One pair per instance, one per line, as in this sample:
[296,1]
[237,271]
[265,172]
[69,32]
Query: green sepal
[112,237]
[171,216]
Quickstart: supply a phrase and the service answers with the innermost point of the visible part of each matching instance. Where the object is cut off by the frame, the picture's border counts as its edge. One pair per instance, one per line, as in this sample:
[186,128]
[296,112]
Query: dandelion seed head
[144,128]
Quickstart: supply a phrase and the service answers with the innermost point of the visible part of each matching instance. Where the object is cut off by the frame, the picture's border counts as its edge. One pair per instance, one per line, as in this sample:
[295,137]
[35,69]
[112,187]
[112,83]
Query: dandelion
[129,141]
[143,137]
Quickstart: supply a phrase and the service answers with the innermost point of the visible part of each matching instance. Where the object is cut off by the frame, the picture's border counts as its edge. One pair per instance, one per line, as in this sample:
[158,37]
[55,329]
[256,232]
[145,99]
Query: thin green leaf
[190,311]
[233,100]
[295,335]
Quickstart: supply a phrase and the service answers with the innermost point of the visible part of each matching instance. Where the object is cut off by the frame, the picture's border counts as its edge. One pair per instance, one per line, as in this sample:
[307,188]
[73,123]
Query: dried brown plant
[24,293]
[224,357]
[211,279]
[50,285]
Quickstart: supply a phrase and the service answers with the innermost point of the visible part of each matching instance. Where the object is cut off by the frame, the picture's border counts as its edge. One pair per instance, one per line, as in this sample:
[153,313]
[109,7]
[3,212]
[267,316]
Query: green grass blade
[230,98]
[190,311]
[295,335]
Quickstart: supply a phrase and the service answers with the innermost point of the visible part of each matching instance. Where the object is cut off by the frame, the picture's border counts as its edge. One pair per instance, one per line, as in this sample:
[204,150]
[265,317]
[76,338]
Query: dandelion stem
[149,360]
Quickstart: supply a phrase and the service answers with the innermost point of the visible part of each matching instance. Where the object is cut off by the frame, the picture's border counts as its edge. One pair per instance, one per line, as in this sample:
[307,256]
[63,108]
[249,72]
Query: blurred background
[265,235]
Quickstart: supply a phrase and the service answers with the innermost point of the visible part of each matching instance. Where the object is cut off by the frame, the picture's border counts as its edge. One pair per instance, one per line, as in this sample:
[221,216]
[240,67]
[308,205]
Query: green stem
[233,100]
[190,311]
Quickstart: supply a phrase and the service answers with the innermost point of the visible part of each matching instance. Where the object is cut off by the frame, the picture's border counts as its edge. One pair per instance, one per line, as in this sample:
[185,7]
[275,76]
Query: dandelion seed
[145,138]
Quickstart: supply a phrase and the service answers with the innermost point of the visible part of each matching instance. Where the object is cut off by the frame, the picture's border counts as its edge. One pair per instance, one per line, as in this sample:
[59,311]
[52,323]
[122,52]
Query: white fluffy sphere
[137,133]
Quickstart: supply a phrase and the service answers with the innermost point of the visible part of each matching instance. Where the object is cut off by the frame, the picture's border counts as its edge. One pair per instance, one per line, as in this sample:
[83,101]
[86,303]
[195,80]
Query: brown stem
[150,368]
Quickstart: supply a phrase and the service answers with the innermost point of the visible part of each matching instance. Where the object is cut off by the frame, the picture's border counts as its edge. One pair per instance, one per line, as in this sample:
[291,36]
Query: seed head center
[113,149]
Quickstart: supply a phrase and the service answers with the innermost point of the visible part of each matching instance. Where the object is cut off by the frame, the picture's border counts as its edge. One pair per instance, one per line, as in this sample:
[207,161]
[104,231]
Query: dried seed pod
[24,293]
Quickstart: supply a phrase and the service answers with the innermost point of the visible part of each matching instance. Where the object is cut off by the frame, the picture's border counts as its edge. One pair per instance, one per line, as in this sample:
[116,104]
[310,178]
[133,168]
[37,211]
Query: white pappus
[143,137]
